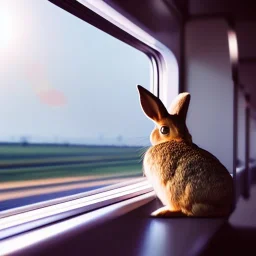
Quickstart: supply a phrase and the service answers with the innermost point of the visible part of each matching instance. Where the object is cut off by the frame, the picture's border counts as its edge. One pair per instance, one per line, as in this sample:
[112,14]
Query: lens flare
[37,75]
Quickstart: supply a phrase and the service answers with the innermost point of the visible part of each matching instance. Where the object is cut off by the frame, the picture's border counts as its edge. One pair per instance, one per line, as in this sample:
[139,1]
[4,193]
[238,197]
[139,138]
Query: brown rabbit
[188,180]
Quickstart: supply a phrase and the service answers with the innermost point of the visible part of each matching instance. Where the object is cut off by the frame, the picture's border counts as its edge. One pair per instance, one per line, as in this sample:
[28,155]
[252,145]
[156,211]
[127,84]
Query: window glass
[71,120]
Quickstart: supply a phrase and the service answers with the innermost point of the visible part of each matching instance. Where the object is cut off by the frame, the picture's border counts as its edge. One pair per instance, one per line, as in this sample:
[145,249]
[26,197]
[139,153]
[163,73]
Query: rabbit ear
[180,105]
[151,105]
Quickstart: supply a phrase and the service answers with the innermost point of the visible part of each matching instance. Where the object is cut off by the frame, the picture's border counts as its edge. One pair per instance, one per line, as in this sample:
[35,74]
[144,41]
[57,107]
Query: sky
[63,80]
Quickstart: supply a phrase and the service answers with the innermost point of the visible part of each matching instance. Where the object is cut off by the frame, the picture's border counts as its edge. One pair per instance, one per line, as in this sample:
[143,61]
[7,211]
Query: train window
[70,114]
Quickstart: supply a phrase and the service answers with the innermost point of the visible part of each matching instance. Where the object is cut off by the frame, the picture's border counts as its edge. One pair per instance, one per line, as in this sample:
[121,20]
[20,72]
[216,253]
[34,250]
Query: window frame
[163,61]
[160,57]
[13,224]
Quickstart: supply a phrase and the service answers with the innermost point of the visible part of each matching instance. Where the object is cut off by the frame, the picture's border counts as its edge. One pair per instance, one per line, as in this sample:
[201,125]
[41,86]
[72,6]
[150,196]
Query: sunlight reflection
[156,237]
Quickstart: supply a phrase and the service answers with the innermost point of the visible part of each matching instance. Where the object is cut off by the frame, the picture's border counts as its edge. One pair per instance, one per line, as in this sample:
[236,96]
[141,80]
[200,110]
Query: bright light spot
[6,29]
[233,47]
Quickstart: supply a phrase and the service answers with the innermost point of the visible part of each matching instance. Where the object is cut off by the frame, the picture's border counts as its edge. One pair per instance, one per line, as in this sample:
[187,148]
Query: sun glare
[6,28]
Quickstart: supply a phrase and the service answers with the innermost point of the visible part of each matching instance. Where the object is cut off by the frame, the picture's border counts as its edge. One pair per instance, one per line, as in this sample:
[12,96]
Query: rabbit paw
[164,212]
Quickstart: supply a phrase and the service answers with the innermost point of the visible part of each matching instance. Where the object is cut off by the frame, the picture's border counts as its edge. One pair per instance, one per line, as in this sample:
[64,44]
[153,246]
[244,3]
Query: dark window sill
[134,233]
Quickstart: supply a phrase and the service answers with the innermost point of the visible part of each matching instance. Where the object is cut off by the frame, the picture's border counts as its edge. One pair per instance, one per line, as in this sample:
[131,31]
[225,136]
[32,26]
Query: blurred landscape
[32,173]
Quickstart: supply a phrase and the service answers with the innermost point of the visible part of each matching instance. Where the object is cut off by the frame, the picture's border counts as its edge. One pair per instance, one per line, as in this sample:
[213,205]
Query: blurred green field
[31,162]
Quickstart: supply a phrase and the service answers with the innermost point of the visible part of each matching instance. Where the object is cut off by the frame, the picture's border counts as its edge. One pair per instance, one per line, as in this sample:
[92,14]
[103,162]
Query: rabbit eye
[164,130]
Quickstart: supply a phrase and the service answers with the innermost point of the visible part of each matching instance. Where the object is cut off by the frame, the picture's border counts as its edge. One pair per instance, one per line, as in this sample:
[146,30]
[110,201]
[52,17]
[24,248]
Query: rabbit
[188,180]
